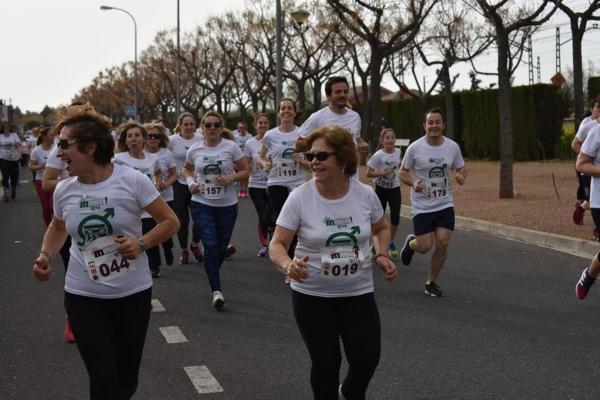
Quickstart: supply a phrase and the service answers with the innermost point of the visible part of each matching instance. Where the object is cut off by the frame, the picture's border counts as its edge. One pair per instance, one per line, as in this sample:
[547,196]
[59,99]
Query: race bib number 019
[341,261]
[102,260]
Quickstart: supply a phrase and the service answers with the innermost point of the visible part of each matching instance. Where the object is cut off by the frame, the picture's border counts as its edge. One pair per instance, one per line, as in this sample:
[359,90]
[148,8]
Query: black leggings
[181,205]
[393,198]
[322,321]
[277,197]
[583,190]
[153,253]
[168,244]
[110,335]
[260,198]
[10,171]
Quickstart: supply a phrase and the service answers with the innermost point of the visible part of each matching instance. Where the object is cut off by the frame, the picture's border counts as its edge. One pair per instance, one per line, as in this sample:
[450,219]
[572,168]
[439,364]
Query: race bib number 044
[102,260]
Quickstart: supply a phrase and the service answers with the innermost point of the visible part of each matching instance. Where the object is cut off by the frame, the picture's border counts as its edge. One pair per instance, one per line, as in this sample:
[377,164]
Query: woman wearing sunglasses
[10,154]
[108,286]
[157,144]
[279,157]
[211,167]
[37,163]
[257,186]
[179,144]
[334,218]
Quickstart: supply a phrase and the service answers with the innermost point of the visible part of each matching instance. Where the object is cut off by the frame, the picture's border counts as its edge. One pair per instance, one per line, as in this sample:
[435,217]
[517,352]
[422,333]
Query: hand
[460,178]
[418,185]
[224,180]
[42,268]
[388,267]
[297,269]
[194,188]
[297,157]
[388,171]
[266,165]
[128,246]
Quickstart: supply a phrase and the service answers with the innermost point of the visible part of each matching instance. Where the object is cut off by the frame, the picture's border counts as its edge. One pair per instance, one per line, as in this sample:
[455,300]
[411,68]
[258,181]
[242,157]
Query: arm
[461,175]
[50,179]
[188,173]
[405,176]
[585,165]
[54,238]
[380,232]
[371,173]
[293,269]
[167,225]
[262,159]
[242,172]
[34,165]
[576,145]
[170,180]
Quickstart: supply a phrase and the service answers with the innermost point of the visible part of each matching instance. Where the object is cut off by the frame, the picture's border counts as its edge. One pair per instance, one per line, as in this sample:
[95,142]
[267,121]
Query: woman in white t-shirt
[37,163]
[108,286]
[384,166]
[211,167]
[10,154]
[157,144]
[334,217]
[257,186]
[132,140]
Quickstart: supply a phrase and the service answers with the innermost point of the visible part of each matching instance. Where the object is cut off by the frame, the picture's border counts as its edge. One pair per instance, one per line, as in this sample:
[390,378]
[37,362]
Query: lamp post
[178,83]
[135,77]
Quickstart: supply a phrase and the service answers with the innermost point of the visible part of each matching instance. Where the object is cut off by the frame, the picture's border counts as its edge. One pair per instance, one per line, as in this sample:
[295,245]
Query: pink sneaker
[184,257]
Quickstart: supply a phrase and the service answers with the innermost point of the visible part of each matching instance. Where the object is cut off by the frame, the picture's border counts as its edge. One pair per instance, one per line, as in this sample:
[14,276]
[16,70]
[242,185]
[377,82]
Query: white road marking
[173,334]
[157,306]
[203,380]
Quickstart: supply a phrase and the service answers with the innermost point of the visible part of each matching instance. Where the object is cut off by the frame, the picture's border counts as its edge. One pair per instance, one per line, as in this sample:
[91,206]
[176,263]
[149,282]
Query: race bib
[102,260]
[437,187]
[287,169]
[180,176]
[9,152]
[386,181]
[209,187]
[341,262]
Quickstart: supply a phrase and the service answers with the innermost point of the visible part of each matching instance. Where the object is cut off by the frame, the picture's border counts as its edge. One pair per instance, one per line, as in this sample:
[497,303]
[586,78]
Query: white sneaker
[340,395]
[218,300]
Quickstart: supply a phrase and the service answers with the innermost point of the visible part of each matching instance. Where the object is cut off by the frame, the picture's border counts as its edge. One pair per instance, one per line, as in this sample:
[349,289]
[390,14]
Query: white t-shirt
[55,162]
[29,144]
[258,176]
[280,148]
[327,228]
[147,166]
[109,208]
[166,162]
[179,147]
[241,140]
[210,162]
[350,121]
[591,148]
[432,165]
[40,156]
[8,146]
[382,160]
[585,127]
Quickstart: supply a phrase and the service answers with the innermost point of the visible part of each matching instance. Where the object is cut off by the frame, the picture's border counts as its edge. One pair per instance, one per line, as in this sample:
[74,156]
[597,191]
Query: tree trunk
[449,101]
[505,116]
[577,72]
[374,125]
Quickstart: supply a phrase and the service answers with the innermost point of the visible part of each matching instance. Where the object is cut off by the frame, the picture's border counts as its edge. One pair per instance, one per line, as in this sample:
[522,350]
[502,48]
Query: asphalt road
[510,327]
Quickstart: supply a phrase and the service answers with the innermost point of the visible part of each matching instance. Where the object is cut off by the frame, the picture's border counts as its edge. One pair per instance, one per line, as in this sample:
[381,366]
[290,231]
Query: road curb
[565,244]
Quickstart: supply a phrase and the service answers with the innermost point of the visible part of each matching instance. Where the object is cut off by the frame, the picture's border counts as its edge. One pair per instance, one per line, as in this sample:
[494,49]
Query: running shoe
[184,257]
[433,290]
[169,256]
[197,253]
[585,283]
[230,250]
[578,213]
[393,251]
[68,331]
[263,251]
[218,300]
[407,252]
[155,273]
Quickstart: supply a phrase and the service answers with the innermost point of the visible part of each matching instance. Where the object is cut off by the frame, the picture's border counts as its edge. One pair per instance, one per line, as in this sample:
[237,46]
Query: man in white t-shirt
[426,169]
[583,190]
[336,113]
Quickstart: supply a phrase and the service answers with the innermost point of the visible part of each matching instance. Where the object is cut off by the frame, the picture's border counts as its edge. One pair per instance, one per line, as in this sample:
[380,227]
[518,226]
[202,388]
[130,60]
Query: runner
[384,166]
[241,137]
[588,162]
[426,169]
[157,144]
[210,169]
[583,190]
[108,287]
[334,217]
[37,163]
[132,139]
[285,165]
[179,144]
[258,184]
[10,154]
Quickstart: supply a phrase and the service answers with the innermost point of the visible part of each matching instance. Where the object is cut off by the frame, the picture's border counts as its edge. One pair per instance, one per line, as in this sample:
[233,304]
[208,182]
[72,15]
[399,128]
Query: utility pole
[530,59]
[557,50]
[539,76]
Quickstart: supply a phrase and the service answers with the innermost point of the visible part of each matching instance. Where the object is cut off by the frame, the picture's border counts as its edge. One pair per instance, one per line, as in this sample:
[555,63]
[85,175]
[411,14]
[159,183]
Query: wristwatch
[142,244]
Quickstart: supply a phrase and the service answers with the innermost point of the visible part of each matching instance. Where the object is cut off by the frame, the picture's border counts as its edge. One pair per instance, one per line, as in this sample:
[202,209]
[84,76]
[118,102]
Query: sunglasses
[321,155]
[209,125]
[153,136]
[65,143]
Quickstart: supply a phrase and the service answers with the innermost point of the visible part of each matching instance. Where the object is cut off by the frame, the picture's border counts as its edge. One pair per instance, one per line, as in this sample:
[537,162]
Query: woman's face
[212,128]
[50,136]
[154,136]
[5,128]
[388,140]
[68,151]
[134,140]
[287,112]
[188,125]
[326,170]
[262,125]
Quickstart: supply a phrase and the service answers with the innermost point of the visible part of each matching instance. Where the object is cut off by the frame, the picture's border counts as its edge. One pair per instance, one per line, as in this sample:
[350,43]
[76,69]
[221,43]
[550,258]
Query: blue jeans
[216,226]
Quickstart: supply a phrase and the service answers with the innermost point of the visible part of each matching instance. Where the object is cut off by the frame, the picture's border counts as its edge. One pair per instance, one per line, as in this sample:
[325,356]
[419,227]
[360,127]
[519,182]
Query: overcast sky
[54,48]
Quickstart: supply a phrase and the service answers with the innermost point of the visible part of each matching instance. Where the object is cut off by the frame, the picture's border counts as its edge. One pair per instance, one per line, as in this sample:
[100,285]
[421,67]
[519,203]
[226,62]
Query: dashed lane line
[173,334]
[203,380]
[157,306]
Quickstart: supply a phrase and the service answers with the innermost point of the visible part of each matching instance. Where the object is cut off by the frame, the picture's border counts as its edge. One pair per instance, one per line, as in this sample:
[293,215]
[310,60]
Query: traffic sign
[558,79]
[130,111]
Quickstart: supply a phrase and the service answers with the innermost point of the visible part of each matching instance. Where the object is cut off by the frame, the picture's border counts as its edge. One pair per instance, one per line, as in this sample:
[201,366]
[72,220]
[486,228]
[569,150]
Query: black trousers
[153,253]
[393,198]
[110,336]
[260,198]
[322,323]
[10,172]
[182,203]
[277,197]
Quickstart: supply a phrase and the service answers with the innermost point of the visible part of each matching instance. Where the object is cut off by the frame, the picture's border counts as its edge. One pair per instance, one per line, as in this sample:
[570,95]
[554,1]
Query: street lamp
[300,16]
[135,96]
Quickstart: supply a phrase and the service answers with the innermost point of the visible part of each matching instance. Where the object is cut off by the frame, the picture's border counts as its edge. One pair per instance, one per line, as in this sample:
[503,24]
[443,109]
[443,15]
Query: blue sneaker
[392,251]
